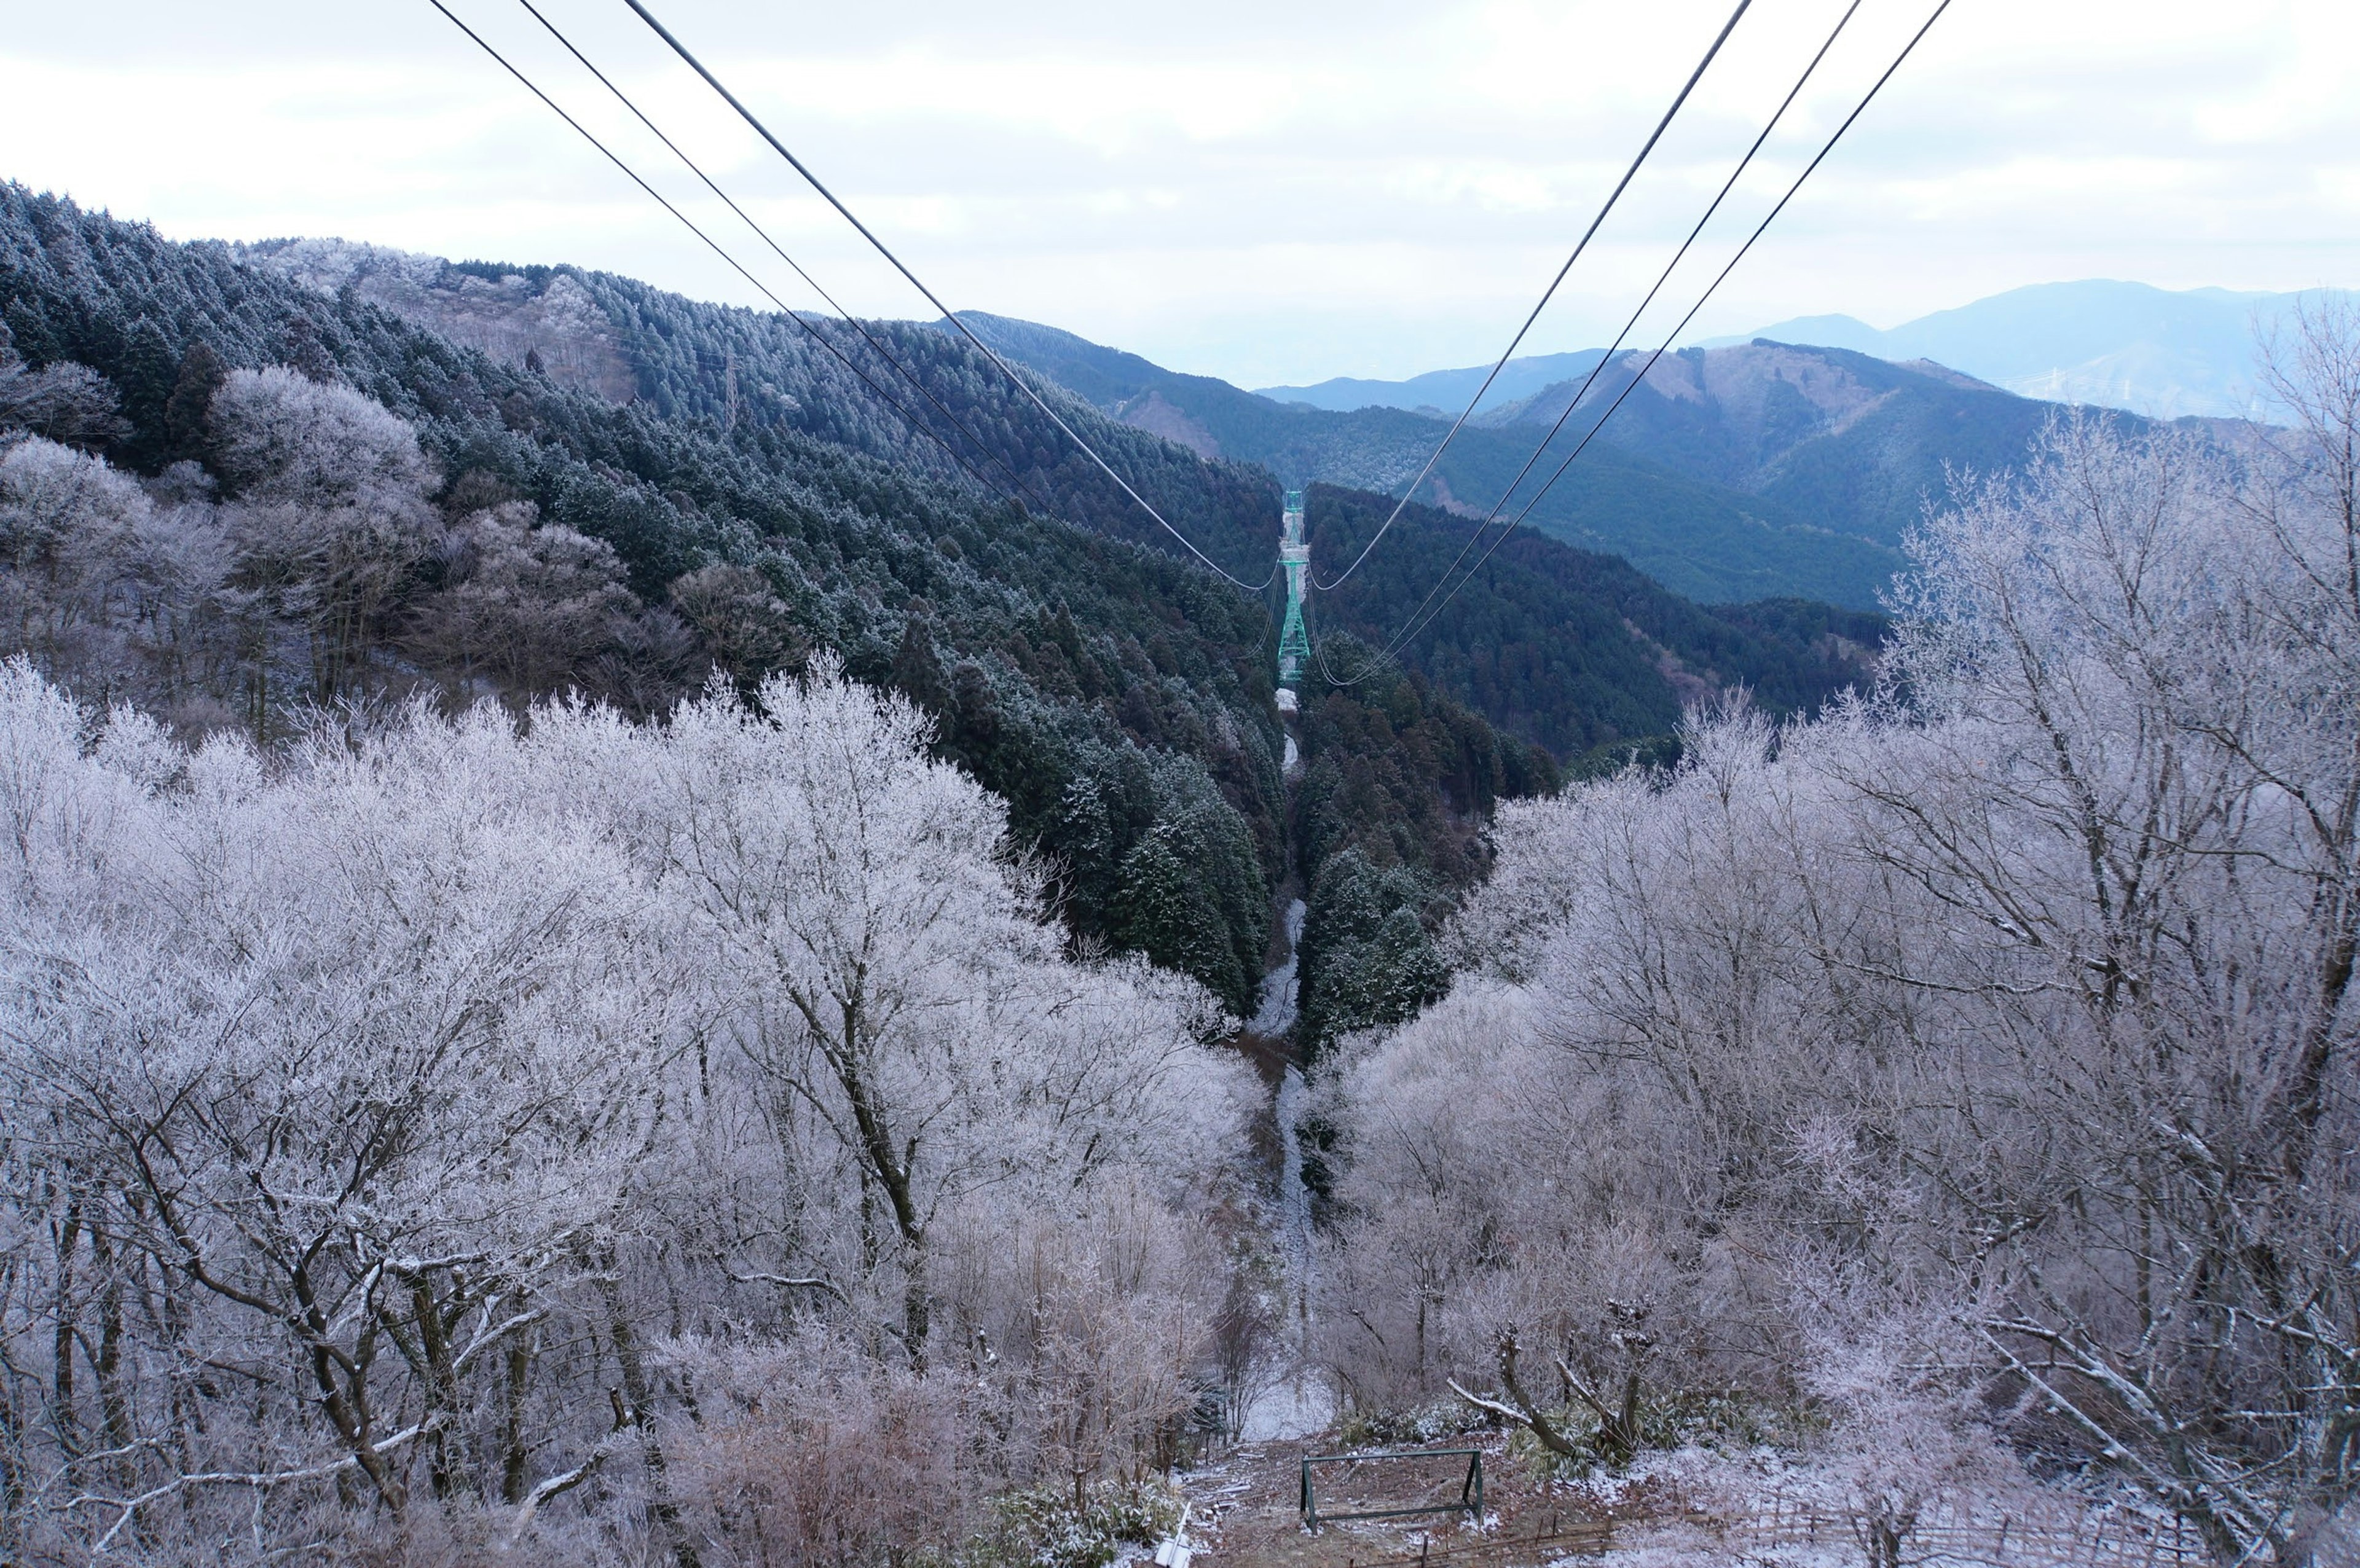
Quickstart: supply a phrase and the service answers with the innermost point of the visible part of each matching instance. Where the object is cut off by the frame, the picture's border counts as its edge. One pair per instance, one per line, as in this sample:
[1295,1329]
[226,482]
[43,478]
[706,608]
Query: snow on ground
[1299,1402]
[1692,1546]
[1295,1407]
[1696,1508]
[1276,1015]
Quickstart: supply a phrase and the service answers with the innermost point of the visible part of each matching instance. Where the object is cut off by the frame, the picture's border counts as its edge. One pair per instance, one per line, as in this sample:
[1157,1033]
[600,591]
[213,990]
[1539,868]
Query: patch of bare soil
[1160,417]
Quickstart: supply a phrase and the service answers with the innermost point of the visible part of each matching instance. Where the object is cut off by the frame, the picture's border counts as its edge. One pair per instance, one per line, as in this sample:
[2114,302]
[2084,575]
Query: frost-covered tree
[442,1133]
[870,941]
[527,610]
[282,437]
[330,513]
[70,526]
[63,402]
[2012,1002]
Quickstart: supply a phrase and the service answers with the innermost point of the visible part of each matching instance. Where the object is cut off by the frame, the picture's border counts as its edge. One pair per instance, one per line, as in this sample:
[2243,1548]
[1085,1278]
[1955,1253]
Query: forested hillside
[1692,531]
[400,515]
[1577,649]
[615,489]
[608,956]
[1749,472]
[1971,1067]
[732,368]
[724,365]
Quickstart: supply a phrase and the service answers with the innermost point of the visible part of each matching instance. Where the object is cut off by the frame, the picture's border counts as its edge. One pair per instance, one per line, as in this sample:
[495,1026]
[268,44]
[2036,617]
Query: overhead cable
[1547,295]
[915,424]
[1674,334]
[1629,325]
[764,234]
[948,314]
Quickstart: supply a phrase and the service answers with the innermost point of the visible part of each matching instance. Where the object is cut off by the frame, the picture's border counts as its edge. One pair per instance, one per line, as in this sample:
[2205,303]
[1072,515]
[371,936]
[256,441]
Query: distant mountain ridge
[1855,442]
[2165,354]
[1445,390]
[674,428]
[1733,474]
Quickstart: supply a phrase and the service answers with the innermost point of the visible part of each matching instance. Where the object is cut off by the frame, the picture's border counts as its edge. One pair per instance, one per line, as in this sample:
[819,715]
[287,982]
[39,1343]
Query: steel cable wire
[1629,326]
[1547,295]
[948,314]
[763,233]
[917,425]
[1670,338]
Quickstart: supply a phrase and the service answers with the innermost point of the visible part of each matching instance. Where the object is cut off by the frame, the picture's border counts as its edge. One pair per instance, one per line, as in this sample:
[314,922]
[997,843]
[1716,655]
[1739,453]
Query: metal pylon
[1293,643]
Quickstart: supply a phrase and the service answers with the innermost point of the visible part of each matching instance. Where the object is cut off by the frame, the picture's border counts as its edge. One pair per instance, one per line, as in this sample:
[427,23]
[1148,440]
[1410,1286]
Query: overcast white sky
[1268,190]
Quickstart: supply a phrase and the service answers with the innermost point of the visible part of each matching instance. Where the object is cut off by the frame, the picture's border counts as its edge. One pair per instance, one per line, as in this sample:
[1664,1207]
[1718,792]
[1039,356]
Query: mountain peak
[2159,351]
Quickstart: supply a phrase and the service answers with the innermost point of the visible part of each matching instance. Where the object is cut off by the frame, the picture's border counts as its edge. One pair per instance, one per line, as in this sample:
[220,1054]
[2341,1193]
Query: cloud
[1265,193]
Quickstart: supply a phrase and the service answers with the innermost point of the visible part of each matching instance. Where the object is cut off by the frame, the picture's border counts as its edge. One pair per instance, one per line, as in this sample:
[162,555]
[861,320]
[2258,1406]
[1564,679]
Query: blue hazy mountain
[1447,389]
[2159,351]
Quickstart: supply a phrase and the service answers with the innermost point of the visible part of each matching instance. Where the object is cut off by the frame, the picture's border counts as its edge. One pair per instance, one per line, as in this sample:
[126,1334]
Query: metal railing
[1470,1488]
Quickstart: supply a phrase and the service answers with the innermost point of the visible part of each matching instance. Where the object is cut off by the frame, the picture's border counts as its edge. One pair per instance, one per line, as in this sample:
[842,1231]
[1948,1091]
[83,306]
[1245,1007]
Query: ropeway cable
[915,424]
[1629,325]
[1662,348]
[1547,295]
[764,235]
[1608,357]
[1023,386]
[1673,335]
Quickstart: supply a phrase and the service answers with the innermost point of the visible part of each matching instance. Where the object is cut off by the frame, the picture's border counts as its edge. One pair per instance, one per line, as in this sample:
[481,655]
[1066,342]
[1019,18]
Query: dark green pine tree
[1162,908]
[918,673]
[186,435]
[307,352]
[144,377]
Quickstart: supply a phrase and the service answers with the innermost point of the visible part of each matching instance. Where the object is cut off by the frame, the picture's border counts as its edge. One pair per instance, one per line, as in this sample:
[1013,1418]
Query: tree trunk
[638,1397]
[515,1454]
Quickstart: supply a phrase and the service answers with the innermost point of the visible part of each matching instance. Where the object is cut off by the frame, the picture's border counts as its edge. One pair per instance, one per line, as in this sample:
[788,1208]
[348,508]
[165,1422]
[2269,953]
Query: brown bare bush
[811,1453]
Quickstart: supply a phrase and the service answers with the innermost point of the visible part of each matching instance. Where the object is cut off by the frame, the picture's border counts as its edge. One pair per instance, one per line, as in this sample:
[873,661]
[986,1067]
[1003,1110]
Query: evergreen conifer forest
[617,950]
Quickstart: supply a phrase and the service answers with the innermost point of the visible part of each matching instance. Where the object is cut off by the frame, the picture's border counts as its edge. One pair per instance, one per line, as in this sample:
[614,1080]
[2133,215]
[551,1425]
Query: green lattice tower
[1293,643]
